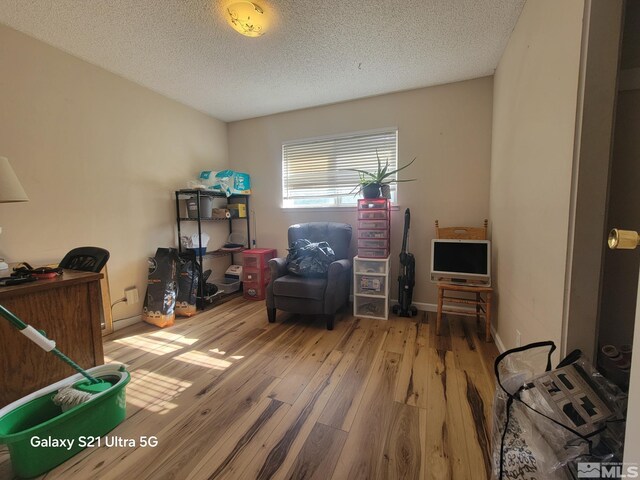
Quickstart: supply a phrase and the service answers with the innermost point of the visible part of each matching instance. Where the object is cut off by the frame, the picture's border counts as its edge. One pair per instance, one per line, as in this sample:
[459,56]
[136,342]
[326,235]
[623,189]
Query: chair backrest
[87,259]
[337,235]
[462,233]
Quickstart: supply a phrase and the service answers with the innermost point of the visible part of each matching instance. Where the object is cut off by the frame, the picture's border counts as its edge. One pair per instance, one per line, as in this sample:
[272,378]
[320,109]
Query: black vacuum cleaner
[407,277]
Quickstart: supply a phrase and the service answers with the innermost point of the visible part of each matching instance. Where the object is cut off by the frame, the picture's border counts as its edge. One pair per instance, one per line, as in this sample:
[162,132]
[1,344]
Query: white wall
[448,129]
[534,117]
[99,158]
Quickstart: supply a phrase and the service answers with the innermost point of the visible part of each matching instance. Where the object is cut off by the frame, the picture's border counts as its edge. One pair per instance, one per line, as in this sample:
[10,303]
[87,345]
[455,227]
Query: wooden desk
[67,308]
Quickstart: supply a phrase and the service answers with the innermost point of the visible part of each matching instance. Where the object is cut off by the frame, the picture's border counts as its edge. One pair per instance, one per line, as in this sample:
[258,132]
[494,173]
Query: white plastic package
[547,421]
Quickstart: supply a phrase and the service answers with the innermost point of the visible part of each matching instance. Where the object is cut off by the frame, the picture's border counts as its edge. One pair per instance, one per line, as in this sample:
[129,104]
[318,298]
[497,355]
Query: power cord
[120,300]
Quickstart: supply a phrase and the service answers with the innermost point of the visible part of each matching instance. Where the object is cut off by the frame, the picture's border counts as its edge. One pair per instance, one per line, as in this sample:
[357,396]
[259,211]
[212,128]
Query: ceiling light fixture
[247,18]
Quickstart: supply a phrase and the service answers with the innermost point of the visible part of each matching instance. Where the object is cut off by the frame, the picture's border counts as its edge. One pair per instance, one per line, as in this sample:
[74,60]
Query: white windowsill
[328,209]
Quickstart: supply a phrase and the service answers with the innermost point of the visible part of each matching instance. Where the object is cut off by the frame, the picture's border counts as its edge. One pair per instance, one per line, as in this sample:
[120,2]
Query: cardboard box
[220,213]
[237,210]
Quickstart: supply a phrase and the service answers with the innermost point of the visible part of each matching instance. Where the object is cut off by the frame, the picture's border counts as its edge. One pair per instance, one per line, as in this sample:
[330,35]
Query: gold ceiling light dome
[247,18]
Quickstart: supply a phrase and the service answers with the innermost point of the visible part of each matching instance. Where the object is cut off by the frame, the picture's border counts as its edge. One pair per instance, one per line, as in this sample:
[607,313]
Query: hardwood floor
[230,396]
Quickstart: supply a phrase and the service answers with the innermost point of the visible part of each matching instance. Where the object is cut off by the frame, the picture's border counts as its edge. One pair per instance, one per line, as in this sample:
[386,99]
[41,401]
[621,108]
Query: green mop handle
[43,342]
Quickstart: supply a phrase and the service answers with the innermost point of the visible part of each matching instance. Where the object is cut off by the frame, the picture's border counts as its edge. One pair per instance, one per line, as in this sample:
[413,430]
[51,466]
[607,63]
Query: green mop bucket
[26,423]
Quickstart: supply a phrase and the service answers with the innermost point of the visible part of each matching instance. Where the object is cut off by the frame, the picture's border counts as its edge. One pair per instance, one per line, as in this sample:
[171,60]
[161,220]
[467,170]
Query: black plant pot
[371,191]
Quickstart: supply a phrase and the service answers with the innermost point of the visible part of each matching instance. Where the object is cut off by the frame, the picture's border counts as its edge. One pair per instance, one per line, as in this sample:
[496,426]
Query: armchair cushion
[300,287]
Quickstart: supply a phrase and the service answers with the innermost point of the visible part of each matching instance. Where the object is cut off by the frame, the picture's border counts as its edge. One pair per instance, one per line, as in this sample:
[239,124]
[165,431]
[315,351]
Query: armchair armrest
[278,267]
[337,268]
[338,281]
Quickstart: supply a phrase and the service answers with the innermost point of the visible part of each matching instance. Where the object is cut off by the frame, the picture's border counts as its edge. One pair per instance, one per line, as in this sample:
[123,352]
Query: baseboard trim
[497,340]
[126,322]
[432,307]
[424,307]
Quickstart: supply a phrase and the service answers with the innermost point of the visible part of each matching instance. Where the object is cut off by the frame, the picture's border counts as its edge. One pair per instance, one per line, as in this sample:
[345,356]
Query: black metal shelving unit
[183,195]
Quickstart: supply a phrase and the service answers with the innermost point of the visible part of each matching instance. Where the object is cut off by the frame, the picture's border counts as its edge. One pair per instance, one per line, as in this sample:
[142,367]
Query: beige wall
[447,127]
[99,157]
[534,116]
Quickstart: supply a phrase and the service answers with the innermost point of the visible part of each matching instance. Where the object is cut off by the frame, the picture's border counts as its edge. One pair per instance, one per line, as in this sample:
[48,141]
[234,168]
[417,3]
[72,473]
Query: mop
[72,395]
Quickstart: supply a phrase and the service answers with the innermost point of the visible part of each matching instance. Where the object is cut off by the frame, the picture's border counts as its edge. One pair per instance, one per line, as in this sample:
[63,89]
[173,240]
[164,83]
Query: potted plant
[371,183]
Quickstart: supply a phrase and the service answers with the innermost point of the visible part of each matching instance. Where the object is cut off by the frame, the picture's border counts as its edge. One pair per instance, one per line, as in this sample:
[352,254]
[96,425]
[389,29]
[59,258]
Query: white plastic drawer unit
[370,307]
[369,266]
[371,285]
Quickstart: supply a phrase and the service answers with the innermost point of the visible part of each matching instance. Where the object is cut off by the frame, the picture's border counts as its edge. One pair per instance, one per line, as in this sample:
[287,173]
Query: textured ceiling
[314,52]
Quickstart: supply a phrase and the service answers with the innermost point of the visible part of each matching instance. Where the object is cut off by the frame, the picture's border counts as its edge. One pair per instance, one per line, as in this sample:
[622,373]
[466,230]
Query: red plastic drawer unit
[374,227]
[254,290]
[373,252]
[373,243]
[373,234]
[258,275]
[258,257]
[373,224]
[373,203]
[373,214]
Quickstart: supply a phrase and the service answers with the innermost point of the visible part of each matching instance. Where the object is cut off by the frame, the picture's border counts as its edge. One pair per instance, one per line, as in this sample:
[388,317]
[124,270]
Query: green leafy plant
[382,176]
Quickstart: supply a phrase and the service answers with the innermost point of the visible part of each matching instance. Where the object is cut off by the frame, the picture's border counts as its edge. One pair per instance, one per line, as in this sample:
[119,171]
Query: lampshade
[10,188]
[246,18]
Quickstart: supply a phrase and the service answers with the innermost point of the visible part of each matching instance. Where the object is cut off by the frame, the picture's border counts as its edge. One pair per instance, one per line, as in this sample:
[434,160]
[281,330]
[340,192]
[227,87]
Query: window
[317,172]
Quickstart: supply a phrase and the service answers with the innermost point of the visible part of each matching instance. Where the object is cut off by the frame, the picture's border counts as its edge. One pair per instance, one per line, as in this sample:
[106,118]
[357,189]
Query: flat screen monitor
[461,261]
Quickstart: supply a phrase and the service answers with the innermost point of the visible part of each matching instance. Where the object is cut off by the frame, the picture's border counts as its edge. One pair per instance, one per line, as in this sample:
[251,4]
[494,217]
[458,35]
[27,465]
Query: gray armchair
[312,296]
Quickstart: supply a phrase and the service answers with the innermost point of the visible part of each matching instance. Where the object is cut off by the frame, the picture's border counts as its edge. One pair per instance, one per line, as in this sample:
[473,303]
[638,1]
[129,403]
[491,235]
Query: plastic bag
[160,300]
[310,259]
[548,421]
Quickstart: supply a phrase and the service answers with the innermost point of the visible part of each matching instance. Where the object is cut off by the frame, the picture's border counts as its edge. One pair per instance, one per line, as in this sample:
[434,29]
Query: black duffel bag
[310,259]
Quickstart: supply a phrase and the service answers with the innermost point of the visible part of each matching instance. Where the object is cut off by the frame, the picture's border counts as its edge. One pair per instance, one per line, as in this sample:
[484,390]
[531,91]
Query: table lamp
[10,191]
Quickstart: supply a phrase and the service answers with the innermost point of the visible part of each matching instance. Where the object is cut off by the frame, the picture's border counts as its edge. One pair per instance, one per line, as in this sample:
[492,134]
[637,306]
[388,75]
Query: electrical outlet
[131,294]
[518,338]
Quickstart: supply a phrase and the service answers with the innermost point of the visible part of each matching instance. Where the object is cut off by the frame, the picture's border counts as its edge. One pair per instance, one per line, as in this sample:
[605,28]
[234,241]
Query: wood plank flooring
[230,396]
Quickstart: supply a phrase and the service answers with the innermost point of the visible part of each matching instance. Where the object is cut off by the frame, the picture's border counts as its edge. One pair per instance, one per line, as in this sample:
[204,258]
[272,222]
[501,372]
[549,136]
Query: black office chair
[86,259]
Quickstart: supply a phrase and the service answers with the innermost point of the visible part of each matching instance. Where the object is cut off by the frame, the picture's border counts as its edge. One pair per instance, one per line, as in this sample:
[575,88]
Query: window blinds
[319,168]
